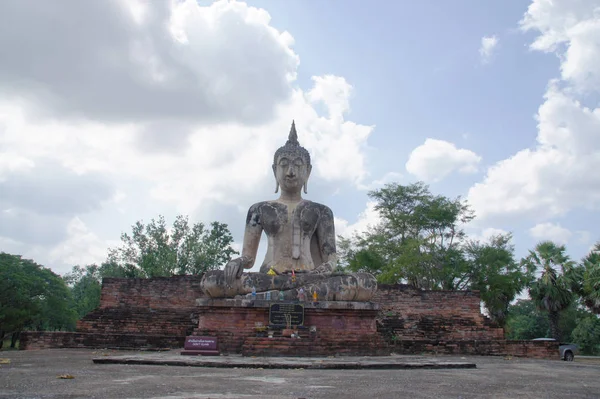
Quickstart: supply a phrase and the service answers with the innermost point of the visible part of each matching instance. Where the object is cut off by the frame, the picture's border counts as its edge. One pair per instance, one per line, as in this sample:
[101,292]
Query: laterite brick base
[160,312]
[63,339]
[347,328]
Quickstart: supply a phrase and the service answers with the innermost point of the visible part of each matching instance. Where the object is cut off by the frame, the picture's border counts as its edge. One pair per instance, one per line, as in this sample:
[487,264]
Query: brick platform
[341,328]
[161,312]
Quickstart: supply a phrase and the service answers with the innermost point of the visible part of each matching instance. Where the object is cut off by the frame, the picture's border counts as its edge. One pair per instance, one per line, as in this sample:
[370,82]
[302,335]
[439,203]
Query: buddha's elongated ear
[276,182]
[308,170]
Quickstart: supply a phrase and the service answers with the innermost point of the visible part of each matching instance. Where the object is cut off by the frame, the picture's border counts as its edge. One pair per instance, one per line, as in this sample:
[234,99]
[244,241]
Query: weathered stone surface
[318,363]
[258,303]
[343,287]
[301,243]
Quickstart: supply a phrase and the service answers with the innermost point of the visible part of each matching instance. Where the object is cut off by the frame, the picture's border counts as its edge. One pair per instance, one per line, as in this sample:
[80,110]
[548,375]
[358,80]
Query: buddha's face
[291,171]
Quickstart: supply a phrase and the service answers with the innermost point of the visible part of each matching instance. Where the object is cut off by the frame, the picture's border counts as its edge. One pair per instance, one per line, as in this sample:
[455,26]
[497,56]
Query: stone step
[282,346]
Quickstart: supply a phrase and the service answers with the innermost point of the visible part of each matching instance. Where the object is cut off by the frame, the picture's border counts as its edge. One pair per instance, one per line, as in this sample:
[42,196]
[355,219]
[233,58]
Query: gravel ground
[34,374]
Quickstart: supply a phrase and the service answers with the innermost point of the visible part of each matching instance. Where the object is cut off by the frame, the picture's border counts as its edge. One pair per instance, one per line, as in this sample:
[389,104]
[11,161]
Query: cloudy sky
[116,111]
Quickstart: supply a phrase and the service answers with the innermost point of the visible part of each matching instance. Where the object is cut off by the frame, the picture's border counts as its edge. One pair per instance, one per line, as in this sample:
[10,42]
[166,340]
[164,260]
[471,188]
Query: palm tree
[551,292]
[587,279]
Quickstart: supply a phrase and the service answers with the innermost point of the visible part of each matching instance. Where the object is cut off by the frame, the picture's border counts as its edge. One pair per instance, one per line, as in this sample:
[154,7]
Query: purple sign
[200,343]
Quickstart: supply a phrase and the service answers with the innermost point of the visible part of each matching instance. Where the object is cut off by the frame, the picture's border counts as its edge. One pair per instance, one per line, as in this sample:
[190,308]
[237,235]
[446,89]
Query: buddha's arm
[250,247]
[326,239]
[235,268]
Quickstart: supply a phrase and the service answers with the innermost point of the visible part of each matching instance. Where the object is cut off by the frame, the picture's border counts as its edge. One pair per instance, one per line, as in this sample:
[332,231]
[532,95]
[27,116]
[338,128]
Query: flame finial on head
[293,137]
[292,146]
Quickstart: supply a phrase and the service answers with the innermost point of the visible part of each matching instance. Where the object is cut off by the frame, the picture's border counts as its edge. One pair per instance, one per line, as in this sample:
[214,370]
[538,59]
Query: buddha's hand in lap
[324,268]
[234,270]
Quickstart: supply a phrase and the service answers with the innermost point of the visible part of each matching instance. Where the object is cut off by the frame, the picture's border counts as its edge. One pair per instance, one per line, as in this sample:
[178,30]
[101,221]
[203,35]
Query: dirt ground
[34,374]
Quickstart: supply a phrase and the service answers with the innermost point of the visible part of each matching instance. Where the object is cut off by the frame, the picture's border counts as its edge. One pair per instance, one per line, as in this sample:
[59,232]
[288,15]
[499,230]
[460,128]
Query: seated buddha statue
[301,252]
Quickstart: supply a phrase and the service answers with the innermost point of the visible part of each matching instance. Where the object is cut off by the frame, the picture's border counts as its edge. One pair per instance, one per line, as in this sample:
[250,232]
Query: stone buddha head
[291,164]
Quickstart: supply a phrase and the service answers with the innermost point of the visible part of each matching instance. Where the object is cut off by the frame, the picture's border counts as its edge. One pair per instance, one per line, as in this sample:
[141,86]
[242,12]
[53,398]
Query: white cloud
[389,177]
[436,159]
[179,106]
[165,61]
[366,219]
[82,247]
[11,163]
[571,29]
[551,231]
[560,172]
[484,235]
[488,45]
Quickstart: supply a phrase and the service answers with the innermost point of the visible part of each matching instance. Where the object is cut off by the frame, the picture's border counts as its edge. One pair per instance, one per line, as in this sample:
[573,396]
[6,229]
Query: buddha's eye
[298,162]
[284,162]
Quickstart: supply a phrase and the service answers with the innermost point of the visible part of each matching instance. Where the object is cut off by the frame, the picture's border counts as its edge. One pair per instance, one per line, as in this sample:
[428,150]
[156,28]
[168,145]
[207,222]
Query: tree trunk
[13,339]
[1,338]
[553,316]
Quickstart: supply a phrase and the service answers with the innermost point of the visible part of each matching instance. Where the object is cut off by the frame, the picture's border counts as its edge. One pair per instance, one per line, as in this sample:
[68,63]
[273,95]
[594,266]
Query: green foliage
[32,296]
[587,335]
[586,279]
[526,321]
[85,283]
[85,288]
[493,271]
[418,239]
[551,292]
[153,250]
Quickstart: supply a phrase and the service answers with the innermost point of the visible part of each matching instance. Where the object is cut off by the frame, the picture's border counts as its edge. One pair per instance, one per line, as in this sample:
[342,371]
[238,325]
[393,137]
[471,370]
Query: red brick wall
[160,312]
[126,320]
[530,349]
[59,339]
[339,331]
[153,293]
[143,306]
[410,314]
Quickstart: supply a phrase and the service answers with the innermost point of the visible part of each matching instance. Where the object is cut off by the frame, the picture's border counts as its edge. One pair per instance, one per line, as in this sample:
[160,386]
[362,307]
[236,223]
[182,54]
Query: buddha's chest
[281,219]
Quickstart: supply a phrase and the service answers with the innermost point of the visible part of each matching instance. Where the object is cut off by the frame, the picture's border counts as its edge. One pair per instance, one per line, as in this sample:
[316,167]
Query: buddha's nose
[291,172]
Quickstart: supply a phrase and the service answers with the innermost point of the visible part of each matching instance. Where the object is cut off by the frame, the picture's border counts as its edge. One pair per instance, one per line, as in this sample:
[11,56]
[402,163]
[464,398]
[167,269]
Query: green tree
[418,240]
[495,273]
[85,283]
[526,321]
[586,279]
[32,296]
[551,292]
[587,335]
[153,250]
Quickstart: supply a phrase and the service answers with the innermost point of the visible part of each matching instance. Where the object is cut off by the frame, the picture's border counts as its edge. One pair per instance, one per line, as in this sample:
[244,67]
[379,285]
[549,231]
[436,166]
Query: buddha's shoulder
[259,206]
[321,208]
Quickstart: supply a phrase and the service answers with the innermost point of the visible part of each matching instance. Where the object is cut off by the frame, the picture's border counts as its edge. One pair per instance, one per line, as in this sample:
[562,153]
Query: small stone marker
[205,346]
